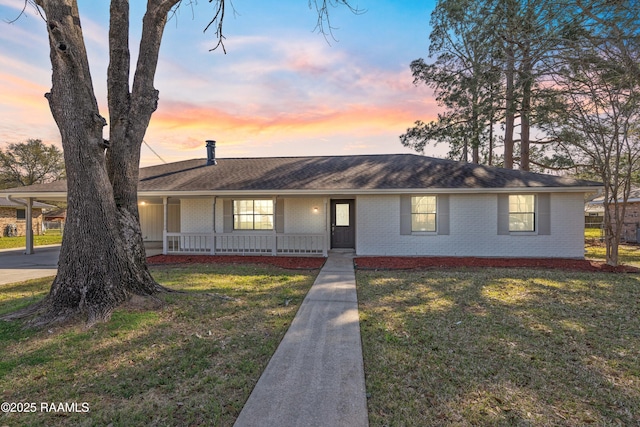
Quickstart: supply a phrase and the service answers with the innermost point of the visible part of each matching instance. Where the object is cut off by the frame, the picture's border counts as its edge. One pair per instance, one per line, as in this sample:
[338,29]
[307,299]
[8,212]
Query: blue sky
[280,90]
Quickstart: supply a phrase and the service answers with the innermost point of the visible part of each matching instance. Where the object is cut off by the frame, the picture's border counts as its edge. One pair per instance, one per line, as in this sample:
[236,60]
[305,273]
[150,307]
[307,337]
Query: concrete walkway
[316,376]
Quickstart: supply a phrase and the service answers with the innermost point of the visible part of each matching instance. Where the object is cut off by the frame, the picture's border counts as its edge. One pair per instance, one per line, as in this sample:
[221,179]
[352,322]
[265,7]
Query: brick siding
[473,229]
[630,222]
[8,216]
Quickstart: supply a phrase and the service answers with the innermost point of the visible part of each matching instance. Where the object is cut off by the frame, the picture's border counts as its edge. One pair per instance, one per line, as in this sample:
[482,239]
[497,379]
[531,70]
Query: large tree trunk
[511,9]
[102,261]
[130,114]
[510,109]
[525,114]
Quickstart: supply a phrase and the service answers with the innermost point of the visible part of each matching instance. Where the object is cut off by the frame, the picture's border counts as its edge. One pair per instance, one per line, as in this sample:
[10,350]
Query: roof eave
[62,195]
[337,192]
[46,195]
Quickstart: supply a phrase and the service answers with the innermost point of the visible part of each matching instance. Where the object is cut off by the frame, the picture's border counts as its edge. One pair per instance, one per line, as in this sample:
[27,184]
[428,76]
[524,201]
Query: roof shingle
[362,172]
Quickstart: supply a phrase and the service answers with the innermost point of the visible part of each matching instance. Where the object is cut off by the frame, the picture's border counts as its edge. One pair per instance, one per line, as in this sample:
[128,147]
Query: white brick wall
[196,215]
[299,216]
[473,230]
[473,226]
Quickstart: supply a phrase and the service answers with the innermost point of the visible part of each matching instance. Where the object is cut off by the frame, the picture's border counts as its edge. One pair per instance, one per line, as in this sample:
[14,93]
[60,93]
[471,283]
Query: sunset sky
[280,90]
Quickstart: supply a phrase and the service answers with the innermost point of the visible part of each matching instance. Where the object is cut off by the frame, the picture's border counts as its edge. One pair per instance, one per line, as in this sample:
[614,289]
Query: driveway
[15,266]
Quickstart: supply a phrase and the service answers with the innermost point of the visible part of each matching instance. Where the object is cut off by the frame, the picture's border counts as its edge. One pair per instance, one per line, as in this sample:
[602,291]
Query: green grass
[20,242]
[627,254]
[592,233]
[501,347]
[191,361]
[595,249]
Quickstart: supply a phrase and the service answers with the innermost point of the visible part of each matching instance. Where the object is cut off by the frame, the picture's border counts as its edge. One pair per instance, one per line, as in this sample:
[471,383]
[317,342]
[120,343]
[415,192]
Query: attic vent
[211,152]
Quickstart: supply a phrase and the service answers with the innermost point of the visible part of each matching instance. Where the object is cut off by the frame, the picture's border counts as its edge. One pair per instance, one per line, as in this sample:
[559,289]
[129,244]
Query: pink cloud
[187,125]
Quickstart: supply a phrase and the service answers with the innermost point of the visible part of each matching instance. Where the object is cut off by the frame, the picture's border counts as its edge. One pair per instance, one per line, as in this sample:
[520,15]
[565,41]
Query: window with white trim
[423,213]
[522,212]
[253,215]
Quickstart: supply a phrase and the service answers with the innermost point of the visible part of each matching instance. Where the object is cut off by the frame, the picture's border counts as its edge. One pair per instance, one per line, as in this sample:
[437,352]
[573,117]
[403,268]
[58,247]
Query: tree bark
[510,108]
[130,114]
[102,260]
[525,114]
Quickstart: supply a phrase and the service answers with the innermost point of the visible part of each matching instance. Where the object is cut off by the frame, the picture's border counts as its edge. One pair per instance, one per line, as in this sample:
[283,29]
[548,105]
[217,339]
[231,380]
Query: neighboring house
[13,215]
[631,220]
[56,215]
[401,204]
[593,215]
[54,220]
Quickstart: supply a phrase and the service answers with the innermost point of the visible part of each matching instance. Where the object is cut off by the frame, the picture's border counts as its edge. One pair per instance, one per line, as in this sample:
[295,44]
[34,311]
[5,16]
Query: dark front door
[343,230]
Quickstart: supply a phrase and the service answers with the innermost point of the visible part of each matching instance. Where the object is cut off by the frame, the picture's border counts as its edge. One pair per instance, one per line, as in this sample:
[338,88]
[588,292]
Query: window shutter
[544,214]
[227,214]
[280,216]
[503,214]
[443,214]
[405,215]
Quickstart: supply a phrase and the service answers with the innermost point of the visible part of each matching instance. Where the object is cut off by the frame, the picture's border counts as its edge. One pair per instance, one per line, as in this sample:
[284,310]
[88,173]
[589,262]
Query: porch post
[327,227]
[165,224]
[213,231]
[274,244]
[29,218]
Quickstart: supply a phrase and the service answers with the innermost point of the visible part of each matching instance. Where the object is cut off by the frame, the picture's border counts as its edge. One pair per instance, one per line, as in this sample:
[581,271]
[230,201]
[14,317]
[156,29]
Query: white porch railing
[188,242]
[246,244]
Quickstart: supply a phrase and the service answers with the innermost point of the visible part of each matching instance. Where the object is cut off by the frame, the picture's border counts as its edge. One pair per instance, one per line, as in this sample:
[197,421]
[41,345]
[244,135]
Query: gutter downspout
[29,218]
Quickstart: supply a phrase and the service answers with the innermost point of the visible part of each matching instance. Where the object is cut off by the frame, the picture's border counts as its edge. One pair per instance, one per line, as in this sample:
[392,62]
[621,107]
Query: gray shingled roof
[365,172]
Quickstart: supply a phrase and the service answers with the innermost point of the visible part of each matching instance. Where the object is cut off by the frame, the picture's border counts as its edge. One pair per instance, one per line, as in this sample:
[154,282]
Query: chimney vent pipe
[211,152]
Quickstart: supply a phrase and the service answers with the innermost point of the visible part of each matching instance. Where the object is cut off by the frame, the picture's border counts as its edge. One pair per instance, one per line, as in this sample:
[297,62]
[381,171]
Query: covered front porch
[245,244]
[239,225]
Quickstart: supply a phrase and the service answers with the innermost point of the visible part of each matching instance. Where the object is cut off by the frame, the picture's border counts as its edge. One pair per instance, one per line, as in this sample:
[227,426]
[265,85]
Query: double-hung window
[522,212]
[253,215]
[423,213]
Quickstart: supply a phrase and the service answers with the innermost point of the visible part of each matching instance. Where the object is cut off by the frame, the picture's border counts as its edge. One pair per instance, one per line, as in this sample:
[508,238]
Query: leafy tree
[464,80]
[102,259]
[599,124]
[491,59]
[30,162]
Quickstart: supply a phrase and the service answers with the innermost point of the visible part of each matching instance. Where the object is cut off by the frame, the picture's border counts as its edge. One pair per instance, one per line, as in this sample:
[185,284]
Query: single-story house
[55,219]
[13,216]
[593,215]
[631,220]
[401,204]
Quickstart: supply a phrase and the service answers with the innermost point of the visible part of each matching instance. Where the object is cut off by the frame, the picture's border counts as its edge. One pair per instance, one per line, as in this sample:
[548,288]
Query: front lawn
[20,242]
[500,347]
[627,254]
[191,361]
[595,249]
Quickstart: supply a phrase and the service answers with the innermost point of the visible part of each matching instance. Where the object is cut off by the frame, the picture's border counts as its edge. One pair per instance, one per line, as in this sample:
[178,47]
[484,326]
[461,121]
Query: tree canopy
[492,66]
[30,162]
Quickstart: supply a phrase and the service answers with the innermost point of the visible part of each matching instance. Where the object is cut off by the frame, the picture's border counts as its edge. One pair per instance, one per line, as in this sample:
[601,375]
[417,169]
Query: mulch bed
[405,263]
[397,263]
[289,262]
